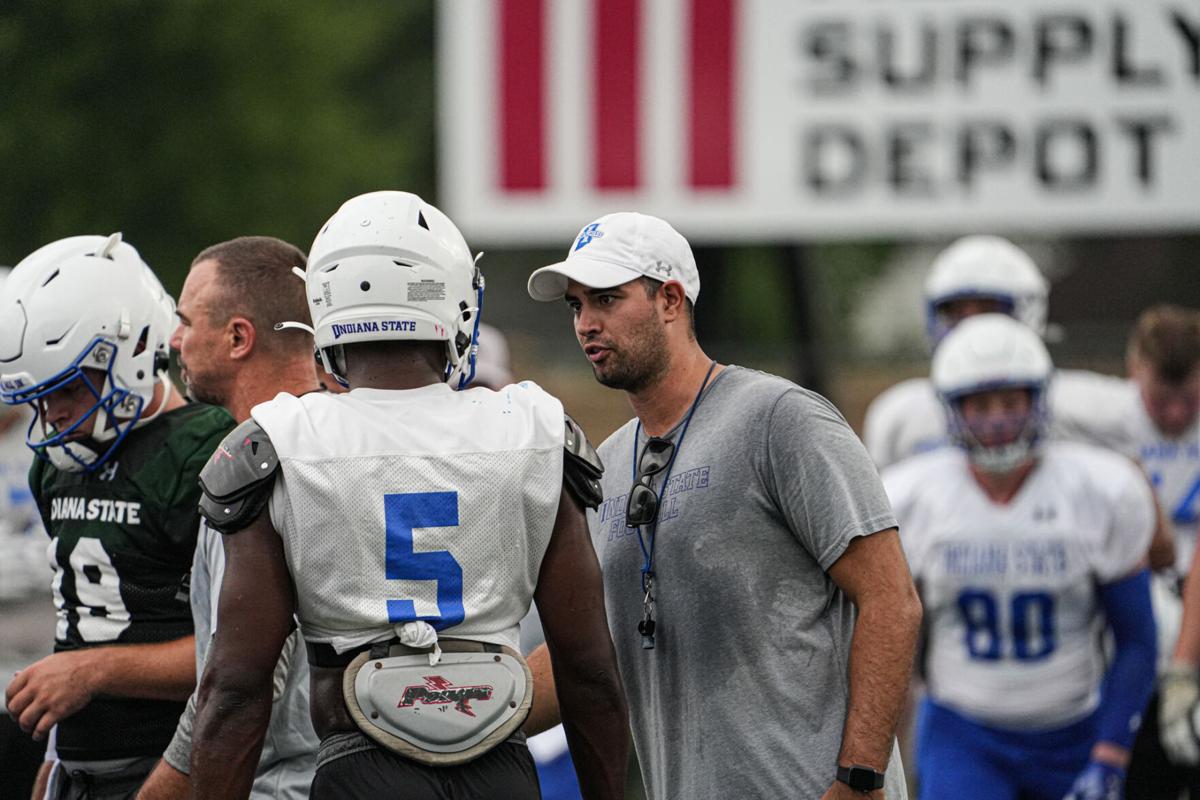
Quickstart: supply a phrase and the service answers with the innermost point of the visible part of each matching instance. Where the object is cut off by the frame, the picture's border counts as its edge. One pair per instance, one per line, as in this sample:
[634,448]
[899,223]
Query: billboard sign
[791,120]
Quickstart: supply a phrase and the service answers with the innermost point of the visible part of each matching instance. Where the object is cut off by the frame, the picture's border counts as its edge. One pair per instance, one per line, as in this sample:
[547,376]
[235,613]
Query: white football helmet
[84,302]
[985,267]
[984,353]
[389,266]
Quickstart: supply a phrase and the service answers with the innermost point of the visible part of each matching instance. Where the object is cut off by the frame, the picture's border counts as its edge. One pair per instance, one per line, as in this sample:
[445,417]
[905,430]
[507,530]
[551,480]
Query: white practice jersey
[419,505]
[1012,609]
[1119,420]
[908,419]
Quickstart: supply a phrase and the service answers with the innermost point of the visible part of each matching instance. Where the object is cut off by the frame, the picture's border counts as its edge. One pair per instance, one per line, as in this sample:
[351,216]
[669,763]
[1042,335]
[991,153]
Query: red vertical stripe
[615,97]
[522,96]
[710,105]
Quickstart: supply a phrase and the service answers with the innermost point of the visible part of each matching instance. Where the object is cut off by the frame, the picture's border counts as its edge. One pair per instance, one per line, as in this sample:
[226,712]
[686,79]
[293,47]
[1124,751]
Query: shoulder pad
[237,481]
[582,468]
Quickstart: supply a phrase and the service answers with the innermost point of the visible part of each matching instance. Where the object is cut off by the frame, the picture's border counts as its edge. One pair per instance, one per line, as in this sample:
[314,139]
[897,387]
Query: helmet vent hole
[51,342]
[331,268]
[421,221]
[365,286]
[53,275]
[141,373]
[141,344]
[402,264]
[466,315]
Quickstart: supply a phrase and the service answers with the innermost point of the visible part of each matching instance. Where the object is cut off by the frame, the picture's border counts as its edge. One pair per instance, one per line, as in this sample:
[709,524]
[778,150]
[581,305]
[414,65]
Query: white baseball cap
[616,249]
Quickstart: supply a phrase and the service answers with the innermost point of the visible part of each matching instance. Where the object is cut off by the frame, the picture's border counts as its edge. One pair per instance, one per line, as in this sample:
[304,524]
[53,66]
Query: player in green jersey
[84,326]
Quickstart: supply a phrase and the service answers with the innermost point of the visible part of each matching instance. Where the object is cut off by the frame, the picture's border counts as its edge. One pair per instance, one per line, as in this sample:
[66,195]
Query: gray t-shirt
[289,755]
[746,689]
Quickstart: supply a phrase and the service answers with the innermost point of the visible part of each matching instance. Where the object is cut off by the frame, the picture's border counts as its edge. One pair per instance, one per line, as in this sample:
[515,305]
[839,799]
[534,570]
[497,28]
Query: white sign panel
[789,120]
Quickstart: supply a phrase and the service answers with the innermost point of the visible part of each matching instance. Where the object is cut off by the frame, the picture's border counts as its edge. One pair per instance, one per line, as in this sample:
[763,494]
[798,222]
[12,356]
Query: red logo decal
[438,691]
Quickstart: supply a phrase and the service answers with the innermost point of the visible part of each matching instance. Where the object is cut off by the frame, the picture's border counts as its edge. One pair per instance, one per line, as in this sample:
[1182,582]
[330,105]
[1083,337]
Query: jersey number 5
[402,514]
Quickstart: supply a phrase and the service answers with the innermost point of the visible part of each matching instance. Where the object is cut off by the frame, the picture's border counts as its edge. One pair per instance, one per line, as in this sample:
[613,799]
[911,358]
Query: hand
[1098,781]
[50,690]
[1179,713]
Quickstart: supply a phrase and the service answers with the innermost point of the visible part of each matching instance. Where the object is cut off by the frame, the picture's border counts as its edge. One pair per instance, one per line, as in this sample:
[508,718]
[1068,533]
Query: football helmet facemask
[84,303]
[985,268]
[989,352]
[389,266]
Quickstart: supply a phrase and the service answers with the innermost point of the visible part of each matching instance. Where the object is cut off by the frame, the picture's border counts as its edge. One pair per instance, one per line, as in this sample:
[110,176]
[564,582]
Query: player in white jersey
[407,526]
[974,275]
[977,275]
[1024,550]
[1159,416]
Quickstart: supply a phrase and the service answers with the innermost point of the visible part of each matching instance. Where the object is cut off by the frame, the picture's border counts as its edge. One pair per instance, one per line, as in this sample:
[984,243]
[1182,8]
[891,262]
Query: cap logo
[587,234]
[662,268]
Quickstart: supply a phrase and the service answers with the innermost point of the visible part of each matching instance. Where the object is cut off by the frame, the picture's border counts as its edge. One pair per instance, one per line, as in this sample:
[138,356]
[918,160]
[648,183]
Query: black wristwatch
[860,779]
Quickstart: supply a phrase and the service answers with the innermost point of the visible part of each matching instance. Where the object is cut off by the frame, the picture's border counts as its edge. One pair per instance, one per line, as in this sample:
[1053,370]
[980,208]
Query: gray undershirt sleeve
[179,752]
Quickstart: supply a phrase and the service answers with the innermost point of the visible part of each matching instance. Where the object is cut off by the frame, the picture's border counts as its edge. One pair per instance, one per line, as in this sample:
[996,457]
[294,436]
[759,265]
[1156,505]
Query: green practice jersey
[122,539]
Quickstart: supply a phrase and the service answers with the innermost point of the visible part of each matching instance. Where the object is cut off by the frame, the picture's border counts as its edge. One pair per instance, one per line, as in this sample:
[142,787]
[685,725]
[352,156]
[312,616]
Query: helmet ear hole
[140,347]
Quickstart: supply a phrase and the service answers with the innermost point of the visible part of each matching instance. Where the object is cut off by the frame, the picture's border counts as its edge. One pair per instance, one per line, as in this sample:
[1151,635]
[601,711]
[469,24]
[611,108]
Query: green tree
[186,123]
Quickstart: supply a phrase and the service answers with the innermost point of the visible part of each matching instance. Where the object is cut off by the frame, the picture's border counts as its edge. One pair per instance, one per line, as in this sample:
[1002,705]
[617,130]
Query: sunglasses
[642,507]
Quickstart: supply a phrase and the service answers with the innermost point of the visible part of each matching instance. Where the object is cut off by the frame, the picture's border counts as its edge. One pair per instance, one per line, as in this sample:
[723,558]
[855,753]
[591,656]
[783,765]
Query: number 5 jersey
[417,505]
[1012,610]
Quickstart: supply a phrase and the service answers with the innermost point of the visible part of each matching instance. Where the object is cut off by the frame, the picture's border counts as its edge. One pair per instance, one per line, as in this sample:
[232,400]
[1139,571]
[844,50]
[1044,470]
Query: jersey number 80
[1029,635]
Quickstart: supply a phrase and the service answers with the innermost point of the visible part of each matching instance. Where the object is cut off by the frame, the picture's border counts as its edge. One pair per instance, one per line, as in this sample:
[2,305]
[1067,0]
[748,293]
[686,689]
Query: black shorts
[79,785]
[368,772]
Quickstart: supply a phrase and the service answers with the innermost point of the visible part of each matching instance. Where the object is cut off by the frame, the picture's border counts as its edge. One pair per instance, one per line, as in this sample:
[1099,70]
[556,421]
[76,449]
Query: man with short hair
[408,526]
[762,611]
[1158,418]
[231,354]
[84,326]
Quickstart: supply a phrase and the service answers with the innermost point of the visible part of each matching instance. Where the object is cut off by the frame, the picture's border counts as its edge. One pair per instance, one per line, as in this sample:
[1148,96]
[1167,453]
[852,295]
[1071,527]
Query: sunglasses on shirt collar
[643,504]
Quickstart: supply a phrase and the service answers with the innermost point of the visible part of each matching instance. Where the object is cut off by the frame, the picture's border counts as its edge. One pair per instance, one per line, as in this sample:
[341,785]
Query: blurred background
[816,154]
[187,123]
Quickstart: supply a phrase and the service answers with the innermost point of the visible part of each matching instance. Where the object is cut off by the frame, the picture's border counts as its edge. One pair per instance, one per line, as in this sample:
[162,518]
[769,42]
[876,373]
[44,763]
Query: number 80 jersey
[424,504]
[1010,591]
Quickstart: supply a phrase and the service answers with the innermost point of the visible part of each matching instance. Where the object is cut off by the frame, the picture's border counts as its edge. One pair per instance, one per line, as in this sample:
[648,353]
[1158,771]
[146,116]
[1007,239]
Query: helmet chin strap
[472,351]
[107,433]
[78,457]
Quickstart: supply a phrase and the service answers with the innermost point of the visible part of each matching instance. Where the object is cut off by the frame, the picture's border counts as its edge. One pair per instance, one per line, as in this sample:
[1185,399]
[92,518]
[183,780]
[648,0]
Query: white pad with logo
[442,714]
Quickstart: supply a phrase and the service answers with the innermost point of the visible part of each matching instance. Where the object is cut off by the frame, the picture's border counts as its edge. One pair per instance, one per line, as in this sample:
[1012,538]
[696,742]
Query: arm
[570,599]
[544,714]
[1162,545]
[1187,649]
[165,783]
[42,782]
[63,683]
[234,698]
[1179,694]
[874,574]
[1127,685]
[1130,678]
